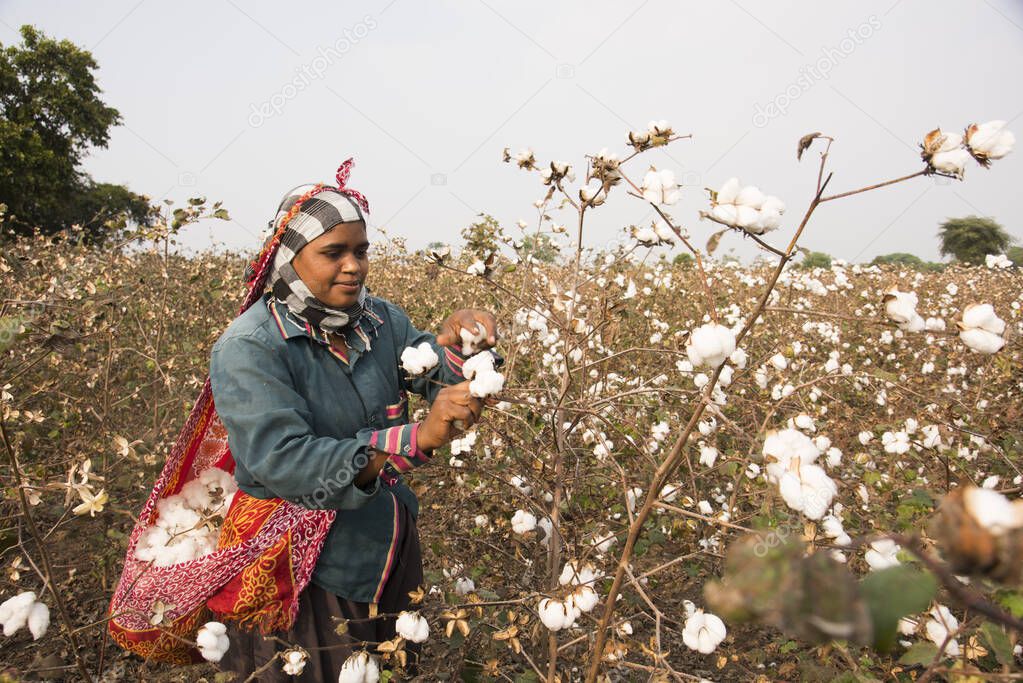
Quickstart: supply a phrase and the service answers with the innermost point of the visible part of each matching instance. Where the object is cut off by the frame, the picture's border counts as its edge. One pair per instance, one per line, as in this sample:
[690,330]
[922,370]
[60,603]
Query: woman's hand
[468,318]
[453,403]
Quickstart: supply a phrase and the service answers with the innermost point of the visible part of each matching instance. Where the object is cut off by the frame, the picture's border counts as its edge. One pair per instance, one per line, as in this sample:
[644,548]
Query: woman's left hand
[468,318]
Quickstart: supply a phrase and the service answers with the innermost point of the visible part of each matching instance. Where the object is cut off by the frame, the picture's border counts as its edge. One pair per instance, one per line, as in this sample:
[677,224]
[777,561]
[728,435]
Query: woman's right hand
[452,404]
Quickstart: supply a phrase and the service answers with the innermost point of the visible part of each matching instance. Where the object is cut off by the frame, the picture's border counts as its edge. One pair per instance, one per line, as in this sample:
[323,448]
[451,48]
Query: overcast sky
[239,100]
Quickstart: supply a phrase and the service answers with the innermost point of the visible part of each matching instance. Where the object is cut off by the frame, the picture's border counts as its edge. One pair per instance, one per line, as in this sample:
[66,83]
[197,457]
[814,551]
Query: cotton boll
[523,522]
[785,449]
[729,191]
[585,598]
[982,341]
[472,338]
[412,627]
[989,141]
[38,620]
[417,360]
[669,492]
[294,662]
[983,316]
[632,497]
[709,345]
[940,627]
[703,632]
[554,614]
[952,162]
[992,510]
[212,641]
[486,384]
[708,455]
[750,196]
[882,554]
[14,612]
[659,187]
[726,213]
[808,490]
[360,667]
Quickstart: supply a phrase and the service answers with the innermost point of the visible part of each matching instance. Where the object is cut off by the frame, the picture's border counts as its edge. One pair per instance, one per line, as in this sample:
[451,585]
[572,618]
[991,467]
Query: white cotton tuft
[418,359]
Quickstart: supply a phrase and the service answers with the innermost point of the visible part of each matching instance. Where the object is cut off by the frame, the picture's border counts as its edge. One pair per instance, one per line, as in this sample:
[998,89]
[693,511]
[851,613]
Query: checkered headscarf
[322,209]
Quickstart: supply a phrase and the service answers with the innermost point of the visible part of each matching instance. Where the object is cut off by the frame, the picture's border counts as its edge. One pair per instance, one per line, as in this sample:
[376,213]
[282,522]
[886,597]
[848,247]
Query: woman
[308,385]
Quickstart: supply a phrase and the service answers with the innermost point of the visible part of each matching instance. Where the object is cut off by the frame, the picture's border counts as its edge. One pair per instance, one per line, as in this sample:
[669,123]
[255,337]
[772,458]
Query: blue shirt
[302,417]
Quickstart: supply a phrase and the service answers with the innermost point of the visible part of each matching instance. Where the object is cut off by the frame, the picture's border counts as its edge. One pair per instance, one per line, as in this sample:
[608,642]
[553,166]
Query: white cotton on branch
[360,667]
[523,521]
[703,632]
[709,345]
[981,329]
[746,207]
[412,627]
[212,641]
[659,187]
[484,380]
[988,141]
[419,359]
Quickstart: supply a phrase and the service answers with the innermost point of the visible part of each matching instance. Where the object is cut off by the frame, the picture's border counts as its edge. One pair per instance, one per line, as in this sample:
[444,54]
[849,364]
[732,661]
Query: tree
[971,238]
[1015,254]
[816,259]
[481,237]
[51,114]
[899,258]
[539,247]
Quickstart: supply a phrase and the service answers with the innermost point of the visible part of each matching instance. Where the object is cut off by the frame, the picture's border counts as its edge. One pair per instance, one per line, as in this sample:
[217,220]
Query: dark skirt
[319,612]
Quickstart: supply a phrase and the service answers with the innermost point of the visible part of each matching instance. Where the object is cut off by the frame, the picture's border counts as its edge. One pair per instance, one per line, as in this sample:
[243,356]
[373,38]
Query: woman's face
[334,265]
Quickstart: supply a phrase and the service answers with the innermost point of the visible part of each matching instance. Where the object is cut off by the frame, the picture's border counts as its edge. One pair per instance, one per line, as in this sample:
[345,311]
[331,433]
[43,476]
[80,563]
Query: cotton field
[692,469]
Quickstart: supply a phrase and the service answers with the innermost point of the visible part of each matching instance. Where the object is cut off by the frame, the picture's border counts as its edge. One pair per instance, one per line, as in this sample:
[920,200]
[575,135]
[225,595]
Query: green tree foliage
[971,238]
[50,115]
[683,259]
[1015,254]
[481,238]
[901,258]
[539,247]
[816,259]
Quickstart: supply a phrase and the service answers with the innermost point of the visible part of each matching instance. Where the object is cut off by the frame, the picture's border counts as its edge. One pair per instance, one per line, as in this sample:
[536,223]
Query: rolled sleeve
[402,443]
[270,434]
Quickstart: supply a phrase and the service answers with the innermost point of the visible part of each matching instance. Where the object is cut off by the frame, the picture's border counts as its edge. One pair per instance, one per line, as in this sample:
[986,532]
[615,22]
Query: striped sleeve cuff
[402,444]
[454,361]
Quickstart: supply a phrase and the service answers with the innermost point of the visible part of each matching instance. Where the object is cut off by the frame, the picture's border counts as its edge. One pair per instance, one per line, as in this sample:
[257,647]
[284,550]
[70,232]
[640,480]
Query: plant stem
[44,555]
